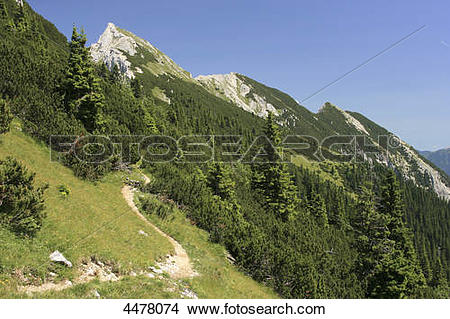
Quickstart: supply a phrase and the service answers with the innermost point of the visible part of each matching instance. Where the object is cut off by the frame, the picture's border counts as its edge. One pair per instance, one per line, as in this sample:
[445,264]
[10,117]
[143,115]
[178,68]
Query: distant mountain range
[440,158]
[138,58]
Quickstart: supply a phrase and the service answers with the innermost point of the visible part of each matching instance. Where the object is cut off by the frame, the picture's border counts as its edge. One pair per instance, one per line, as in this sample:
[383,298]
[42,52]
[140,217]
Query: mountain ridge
[302,240]
[134,56]
[116,46]
[440,158]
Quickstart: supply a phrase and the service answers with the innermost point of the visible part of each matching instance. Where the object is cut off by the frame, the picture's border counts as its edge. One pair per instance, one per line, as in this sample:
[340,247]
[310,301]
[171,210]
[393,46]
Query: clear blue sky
[300,46]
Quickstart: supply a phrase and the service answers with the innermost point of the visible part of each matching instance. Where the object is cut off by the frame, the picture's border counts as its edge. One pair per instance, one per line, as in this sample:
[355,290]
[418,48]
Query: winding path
[178,265]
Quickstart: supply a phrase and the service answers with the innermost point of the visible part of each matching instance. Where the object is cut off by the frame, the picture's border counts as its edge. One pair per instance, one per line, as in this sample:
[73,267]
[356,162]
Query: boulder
[57,257]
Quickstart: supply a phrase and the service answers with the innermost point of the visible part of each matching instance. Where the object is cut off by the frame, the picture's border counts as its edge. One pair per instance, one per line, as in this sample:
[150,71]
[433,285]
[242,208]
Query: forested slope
[310,230]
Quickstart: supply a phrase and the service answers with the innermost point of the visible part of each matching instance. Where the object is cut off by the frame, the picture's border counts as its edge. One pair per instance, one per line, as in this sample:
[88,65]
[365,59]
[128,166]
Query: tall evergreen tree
[221,181]
[371,228]
[316,206]
[84,98]
[136,86]
[398,274]
[439,281]
[5,116]
[272,179]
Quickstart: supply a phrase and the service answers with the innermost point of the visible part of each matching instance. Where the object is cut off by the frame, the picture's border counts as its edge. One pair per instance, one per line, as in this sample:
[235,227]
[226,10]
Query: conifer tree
[137,88]
[371,228]
[398,274]
[316,206]
[272,179]
[84,98]
[221,182]
[439,280]
[22,203]
[20,18]
[5,116]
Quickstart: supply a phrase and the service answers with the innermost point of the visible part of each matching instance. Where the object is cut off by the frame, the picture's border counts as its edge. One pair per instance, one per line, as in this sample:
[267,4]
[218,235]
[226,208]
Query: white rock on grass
[156,270]
[187,293]
[143,233]
[57,257]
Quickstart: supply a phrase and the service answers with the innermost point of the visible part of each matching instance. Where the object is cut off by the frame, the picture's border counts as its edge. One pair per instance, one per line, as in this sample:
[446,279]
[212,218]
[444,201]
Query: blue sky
[299,47]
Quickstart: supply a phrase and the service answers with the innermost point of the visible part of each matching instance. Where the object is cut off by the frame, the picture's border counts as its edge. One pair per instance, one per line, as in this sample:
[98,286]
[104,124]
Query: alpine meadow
[123,176]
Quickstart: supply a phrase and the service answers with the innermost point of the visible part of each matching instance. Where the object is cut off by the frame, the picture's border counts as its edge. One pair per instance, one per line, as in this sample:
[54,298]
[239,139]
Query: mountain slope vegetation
[307,229]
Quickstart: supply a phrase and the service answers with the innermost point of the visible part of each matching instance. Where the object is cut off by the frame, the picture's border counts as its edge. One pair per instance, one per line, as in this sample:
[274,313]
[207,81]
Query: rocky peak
[232,88]
[348,118]
[116,45]
[111,49]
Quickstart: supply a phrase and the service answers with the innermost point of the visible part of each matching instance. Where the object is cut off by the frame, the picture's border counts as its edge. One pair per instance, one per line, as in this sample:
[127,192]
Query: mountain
[330,120]
[132,54]
[135,56]
[440,158]
[300,230]
[399,155]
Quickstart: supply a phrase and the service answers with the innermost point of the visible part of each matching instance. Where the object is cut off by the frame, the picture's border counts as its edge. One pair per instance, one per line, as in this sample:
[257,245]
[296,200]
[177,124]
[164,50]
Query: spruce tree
[371,230]
[220,181]
[21,202]
[398,274]
[439,280]
[5,116]
[137,88]
[272,179]
[316,206]
[84,98]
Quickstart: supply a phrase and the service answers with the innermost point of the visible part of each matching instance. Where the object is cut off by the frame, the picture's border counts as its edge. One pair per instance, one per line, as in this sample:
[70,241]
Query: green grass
[319,168]
[219,278]
[94,220]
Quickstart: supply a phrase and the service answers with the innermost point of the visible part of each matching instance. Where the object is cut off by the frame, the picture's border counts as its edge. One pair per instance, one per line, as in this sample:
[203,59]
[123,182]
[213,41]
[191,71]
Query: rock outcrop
[230,87]
[57,257]
[115,47]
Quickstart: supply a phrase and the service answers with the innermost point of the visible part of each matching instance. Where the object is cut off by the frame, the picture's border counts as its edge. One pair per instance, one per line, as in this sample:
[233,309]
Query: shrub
[152,205]
[21,203]
[5,116]
[64,190]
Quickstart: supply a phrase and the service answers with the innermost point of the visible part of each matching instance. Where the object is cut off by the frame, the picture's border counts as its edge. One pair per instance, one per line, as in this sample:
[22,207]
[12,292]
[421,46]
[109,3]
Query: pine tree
[21,21]
[137,88]
[371,228]
[439,280]
[316,206]
[398,274]
[5,116]
[272,178]
[84,98]
[21,203]
[221,181]
[116,75]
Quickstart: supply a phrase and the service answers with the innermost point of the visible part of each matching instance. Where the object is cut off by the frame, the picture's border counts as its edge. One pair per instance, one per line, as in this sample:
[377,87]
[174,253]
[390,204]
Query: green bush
[64,190]
[5,116]
[21,203]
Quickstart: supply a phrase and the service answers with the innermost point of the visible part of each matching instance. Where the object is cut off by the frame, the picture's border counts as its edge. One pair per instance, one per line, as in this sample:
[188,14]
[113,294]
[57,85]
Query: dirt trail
[178,265]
